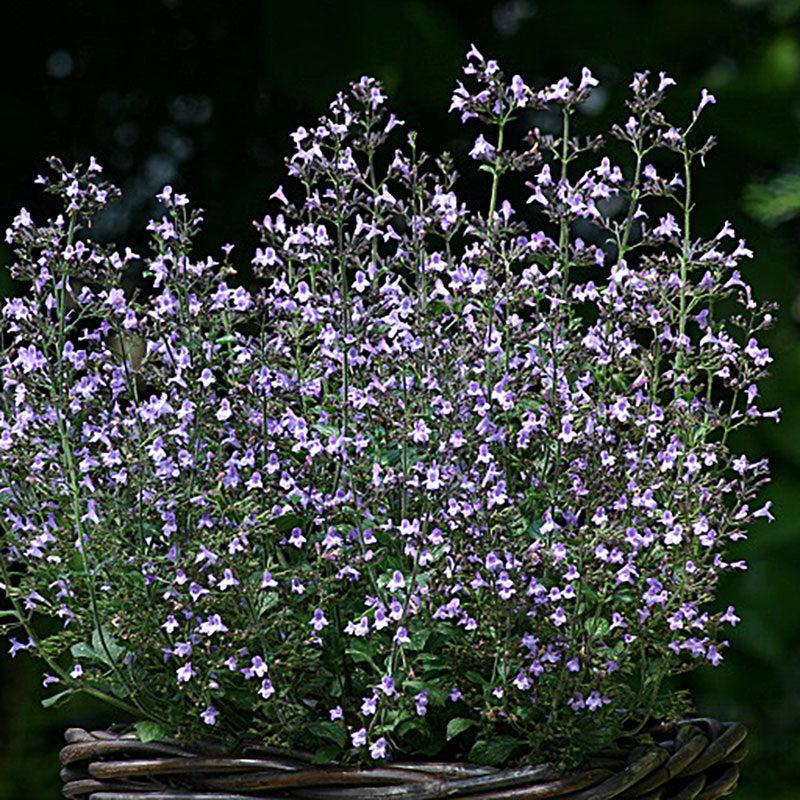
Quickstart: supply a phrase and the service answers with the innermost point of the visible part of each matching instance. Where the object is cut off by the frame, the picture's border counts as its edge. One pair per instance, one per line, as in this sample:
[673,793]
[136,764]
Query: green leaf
[329,731]
[81,650]
[458,725]
[362,652]
[149,731]
[287,522]
[494,752]
[109,654]
[434,747]
[327,754]
[597,627]
[327,430]
[535,527]
[57,699]
[391,457]
[776,201]
[414,732]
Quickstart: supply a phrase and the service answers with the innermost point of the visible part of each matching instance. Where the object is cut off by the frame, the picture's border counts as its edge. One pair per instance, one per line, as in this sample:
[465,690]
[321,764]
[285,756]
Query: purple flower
[209,716]
[267,581]
[664,81]
[17,646]
[196,591]
[318,620]
[705,99]
[224,411]
[378,748]
[228,579]
[30,359]
[764,512]
[587,80]
[369,705]
[482,150]
[279,195]
[296,539]
[401,636]
[595,700]
[392,123]
[667,227]
[257,668]
[730,617]
[361,628]
[397,581]
[185,673]
[359,737]
[521,91]
[213,624]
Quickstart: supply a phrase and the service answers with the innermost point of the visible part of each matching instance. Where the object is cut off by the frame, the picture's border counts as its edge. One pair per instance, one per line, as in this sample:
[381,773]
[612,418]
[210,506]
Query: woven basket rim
[689,759]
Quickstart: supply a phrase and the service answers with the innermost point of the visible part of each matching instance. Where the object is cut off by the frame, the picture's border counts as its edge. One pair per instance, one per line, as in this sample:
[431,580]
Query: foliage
[776,201]
[438,482]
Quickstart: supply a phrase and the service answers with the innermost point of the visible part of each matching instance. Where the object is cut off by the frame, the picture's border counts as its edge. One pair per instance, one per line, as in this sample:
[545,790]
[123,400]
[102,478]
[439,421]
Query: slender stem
[563,250]
[496,172]
[635,192]
[685,254]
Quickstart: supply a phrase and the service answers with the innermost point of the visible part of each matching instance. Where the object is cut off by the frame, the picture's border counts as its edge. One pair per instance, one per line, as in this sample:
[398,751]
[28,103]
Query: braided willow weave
[690,760]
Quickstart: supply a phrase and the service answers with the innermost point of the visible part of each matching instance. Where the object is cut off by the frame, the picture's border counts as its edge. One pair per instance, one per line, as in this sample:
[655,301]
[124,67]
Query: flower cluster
[435,481]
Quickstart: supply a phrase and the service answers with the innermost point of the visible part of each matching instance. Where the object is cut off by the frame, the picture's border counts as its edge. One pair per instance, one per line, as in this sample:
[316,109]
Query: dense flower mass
[435,480]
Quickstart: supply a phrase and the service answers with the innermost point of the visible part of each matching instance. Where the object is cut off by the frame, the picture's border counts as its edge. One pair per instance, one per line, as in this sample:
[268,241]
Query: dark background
[204,94]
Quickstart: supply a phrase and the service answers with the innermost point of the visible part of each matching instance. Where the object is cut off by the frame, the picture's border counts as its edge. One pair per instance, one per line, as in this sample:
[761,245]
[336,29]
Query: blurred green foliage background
[204,94]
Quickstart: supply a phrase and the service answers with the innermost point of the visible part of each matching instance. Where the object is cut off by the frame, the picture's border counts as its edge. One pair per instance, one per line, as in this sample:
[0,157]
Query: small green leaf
[327,430]
[458,725]
[391,457]
[106,648]
[414,732]
[57,699]
[81,650]
[149,731]
[287,522]
[535,528]
[329,731]
[597,627]
[362,652]
[494,752]
[327,754]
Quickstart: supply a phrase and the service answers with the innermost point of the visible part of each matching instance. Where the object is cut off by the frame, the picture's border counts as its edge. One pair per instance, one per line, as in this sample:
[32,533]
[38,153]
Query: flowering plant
[436,481]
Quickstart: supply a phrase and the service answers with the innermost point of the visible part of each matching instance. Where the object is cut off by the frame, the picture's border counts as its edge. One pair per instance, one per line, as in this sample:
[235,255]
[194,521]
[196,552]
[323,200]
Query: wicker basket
[692,759]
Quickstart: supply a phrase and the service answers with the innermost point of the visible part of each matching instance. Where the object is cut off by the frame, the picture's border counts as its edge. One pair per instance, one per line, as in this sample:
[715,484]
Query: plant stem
[496,172]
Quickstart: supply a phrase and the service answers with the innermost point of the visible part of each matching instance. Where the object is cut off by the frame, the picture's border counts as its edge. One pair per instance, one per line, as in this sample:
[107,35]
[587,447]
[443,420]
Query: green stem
[687,209]
[496,173]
